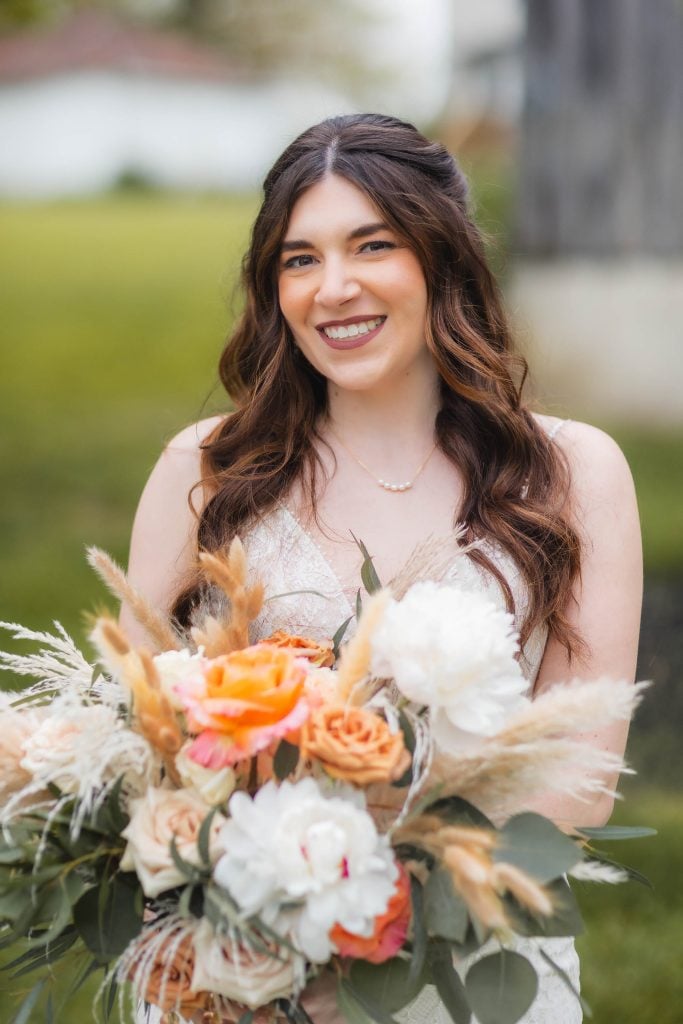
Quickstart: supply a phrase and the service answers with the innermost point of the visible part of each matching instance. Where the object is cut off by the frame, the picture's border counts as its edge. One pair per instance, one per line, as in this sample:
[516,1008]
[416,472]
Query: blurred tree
[602,134]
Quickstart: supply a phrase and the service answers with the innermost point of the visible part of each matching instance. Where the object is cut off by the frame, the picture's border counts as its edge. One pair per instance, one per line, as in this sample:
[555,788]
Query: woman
[377,393]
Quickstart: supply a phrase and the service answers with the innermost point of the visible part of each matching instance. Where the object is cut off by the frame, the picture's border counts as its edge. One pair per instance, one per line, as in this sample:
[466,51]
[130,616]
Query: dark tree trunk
[601,161]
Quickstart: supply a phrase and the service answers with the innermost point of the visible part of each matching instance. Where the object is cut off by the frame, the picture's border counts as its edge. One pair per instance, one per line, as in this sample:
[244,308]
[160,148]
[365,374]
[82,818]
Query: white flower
[176,667]
[241,974]
[156,818]
[293,845]
[83,748]
[16,727]
[453,651]
[213,785]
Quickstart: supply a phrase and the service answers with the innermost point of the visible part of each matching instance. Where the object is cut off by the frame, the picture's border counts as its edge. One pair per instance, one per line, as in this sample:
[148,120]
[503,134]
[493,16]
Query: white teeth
[353,330]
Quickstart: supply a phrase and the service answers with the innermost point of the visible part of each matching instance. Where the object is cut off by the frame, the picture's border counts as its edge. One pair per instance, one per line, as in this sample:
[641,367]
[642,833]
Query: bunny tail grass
[155,624]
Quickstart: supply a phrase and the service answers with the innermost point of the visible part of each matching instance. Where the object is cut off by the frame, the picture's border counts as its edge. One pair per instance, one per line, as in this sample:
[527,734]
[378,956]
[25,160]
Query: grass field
[113,315]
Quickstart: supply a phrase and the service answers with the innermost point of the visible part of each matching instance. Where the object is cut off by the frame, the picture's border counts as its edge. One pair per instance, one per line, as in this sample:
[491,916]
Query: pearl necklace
[384,484]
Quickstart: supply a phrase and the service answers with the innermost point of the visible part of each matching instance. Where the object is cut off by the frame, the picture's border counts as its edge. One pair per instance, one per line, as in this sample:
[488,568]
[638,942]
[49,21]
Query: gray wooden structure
[601,154]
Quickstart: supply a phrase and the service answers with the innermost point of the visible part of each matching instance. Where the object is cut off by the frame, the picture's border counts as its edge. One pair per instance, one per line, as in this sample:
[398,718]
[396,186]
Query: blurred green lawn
[113,314]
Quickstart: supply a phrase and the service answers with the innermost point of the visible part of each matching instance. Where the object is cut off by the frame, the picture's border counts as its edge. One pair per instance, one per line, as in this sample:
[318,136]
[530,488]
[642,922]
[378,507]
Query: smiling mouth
[340,332]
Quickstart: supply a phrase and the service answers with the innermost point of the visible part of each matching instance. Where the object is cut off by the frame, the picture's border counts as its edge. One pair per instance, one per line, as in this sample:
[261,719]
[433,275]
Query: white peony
[176,667]
[293,845]
[452,651]
[245,975]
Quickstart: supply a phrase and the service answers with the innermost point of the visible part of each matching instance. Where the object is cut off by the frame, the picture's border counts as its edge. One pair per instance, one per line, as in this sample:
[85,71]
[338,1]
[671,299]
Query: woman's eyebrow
[360,232]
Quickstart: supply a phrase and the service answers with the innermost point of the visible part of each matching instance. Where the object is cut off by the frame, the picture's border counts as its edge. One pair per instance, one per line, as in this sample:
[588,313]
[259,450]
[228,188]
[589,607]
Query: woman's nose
[337,283]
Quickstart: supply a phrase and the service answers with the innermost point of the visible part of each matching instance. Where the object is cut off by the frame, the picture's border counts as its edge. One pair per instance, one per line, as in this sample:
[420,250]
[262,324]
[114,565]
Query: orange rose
[168,985]
[354,744]
[247,699]
[390,931]
[319,654]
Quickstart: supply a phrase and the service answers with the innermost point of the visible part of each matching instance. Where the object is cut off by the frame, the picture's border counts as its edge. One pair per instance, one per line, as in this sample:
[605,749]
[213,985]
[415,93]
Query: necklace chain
[385,484]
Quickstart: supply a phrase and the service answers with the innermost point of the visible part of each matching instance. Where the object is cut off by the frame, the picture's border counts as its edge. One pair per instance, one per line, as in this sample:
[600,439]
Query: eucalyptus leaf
[204,838]
[445,913]
[339,636]
[565,921]
[106,929]
[24,1012]
[374,1011]
[351,1010]
[501,987]
[449,984]
[368,573]
[387,986]
[188,870]
[532,843]
[616,832]
[419,950]
[286,759]
[456,811]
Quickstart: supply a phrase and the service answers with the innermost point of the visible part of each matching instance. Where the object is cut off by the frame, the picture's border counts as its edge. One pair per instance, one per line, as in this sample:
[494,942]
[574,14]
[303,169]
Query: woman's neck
[402,416]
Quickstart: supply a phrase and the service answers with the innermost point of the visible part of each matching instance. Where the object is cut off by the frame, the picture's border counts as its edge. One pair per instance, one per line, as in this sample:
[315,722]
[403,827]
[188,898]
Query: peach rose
[319,654]
[354,744]
[156,818]
[390,929]
[248,699]
[247,976]
[168,985]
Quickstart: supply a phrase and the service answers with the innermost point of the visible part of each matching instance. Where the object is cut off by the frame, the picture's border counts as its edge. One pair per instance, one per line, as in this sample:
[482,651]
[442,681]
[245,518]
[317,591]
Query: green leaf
[409,742]
[351,1010]
[635,876]
[246,1017]
[615,832]
[368,573]
[445,913]
[387,986]
[286,759]
[562,974]
[448,983]
[339,636]
[533,844]
[374,1012]
[456,811]
[204,838]
[419,950]
[106,928]
[49,1010]
[24,1012]
[564,922]
[501,987]
[188,870]
[359,605]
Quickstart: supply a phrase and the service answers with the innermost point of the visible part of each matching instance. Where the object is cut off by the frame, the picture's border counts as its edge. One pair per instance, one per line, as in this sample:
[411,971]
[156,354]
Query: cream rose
[243,975]
[176,667]
[156,818]
[213,785]
[15,729]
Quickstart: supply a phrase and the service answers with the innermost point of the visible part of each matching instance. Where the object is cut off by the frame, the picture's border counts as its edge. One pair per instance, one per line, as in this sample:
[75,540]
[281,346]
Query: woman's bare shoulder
[596,462]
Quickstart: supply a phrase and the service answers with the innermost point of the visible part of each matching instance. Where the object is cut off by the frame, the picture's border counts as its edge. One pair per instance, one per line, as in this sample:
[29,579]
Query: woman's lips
[354,342]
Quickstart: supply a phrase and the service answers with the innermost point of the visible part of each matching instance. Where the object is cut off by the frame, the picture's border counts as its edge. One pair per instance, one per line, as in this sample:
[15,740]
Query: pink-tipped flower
[389,932]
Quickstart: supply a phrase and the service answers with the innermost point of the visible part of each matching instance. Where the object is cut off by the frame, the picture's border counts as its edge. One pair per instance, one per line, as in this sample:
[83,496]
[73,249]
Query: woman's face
[352,292]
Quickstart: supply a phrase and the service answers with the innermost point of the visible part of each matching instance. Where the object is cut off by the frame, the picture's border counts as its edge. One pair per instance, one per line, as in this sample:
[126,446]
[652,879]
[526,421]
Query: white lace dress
[286,558]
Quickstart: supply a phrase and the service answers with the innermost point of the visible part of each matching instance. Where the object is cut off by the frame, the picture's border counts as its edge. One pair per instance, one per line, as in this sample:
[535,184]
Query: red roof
[99,41]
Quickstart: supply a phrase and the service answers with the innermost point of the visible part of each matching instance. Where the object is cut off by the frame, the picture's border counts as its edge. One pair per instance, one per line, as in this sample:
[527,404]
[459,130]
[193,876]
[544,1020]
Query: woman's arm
[163,543]
[607,605]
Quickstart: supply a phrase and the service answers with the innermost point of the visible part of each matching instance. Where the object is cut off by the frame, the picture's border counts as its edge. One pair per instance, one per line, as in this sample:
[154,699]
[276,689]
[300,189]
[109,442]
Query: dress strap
[556,428]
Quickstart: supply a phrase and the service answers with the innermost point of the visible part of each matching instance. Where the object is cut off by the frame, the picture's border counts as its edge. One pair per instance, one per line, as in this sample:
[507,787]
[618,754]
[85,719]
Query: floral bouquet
[215,823]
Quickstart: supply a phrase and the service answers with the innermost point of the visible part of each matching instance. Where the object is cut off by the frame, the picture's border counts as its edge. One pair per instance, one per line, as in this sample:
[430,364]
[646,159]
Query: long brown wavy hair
[516,481]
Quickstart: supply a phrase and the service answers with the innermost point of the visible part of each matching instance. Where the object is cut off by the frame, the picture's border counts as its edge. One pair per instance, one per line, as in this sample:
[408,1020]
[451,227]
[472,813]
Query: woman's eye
[377,245]
[296,262]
